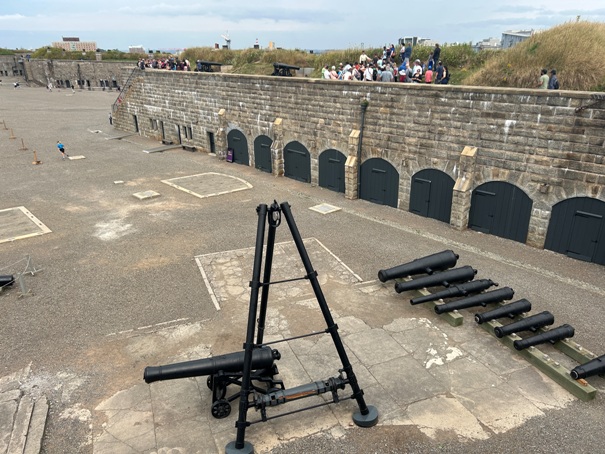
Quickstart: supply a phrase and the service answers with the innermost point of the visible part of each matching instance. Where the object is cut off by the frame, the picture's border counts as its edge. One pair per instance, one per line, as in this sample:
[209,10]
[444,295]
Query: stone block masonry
[533,139]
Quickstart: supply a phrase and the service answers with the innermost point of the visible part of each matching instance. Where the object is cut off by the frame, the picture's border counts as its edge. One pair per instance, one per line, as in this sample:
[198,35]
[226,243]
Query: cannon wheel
[221,409]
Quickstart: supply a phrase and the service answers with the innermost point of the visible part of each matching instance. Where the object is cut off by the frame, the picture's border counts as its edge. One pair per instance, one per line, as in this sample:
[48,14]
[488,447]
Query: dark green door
[585,229]
[379,182]
[420,196]
[236,140]
[431,194]
[332,170]
[297,162]
[502,209]
[483,207]
[577,229]
[262,153]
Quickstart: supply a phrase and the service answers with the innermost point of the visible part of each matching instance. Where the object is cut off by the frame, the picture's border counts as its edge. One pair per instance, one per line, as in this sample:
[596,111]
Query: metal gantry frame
[367,415]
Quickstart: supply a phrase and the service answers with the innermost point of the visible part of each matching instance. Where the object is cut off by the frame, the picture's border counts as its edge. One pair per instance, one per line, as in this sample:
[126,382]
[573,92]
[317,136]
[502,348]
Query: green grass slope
[576,50]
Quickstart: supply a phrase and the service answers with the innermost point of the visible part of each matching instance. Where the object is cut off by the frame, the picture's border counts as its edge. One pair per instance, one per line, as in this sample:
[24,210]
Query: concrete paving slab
[442,415]
[8,410]
[465,375]
[494,355]
[21,425]
[325,208]
[374,347]
[146,195]
[500,408]
[37,425]
[209,184]
[128,422]
[536,387]
[18,223]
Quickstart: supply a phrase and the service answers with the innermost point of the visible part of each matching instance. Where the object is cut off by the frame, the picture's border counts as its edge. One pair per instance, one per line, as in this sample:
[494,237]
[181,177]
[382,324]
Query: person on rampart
[446,76]
[553,82]
[363,58]
[439,73]
[428,76]
[408,53]
[436,53]
[543,81]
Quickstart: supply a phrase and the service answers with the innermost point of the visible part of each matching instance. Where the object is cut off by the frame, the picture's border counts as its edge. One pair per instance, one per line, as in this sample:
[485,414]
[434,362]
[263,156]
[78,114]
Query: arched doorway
[379,182]
[332,170]
[297,162]
[262,153]
[577,229]
[502,209]
[237,141]
[431,194]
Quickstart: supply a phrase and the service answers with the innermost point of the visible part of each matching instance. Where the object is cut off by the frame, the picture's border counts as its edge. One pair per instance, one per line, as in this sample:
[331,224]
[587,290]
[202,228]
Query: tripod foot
[368,420]
[247,449]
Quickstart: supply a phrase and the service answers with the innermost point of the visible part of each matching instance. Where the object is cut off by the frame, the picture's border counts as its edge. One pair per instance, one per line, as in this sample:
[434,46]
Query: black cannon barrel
[529,323]
[553,335]
[444,278]
[452,291]
[262,358]
[593,367]
[424,265]
[482,299]
[508,310]
[6,280]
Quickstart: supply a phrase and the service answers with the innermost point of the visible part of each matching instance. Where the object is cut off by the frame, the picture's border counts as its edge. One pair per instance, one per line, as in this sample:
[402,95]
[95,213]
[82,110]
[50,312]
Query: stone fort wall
[549,144]
[91,73]
[537,140]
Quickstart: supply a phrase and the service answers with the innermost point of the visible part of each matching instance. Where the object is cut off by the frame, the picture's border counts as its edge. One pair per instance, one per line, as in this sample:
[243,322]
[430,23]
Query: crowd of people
[387,68]
[170,63]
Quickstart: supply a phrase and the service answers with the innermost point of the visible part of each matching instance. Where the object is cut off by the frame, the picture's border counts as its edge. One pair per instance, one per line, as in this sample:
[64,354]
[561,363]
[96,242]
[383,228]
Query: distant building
[513,37]
[488,44]
[72,44]
[416,41]
[136,49]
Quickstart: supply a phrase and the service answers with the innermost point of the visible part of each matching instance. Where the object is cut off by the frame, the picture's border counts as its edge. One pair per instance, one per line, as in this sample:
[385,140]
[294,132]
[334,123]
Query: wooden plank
[579,388]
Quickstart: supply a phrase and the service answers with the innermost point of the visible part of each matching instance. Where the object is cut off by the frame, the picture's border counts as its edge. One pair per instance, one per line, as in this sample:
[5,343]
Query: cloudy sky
[306,24]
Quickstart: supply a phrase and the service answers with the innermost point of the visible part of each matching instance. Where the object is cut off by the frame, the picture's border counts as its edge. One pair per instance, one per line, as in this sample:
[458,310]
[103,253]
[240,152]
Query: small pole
[36,162]
[22,284]
[4,123]
[23,147]
[12,136]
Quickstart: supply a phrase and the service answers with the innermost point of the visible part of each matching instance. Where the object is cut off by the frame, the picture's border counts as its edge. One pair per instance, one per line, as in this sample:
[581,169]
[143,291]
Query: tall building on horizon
[72,43]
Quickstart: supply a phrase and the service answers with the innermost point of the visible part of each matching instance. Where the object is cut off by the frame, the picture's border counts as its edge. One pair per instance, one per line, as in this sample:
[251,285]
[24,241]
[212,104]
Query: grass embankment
[260,61]
[576,50]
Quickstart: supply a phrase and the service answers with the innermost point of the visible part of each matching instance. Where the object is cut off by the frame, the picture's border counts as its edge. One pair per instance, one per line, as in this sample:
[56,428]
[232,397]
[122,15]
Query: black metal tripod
[367,416]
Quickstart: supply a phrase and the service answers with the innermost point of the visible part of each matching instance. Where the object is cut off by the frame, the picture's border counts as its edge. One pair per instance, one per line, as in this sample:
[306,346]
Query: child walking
[61,148]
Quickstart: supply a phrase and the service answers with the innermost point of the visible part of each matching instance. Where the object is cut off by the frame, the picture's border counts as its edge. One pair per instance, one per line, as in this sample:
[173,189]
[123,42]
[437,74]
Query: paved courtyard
[122,283]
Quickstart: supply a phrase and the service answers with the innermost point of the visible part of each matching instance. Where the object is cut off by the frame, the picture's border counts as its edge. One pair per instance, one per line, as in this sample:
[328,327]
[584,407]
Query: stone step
[22,418]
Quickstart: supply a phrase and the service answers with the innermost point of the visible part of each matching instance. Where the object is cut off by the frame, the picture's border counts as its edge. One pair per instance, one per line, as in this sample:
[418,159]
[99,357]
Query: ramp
[121,136]
[163,148]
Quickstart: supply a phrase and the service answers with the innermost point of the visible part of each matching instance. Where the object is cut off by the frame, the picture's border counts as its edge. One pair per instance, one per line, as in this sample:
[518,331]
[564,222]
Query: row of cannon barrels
[439,270]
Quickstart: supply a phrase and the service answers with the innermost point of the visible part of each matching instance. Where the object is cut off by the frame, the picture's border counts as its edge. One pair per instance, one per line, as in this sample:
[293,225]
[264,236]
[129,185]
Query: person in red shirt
[428,76]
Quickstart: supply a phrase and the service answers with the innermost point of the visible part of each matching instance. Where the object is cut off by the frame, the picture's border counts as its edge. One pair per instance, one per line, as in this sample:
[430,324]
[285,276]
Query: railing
[124,89]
